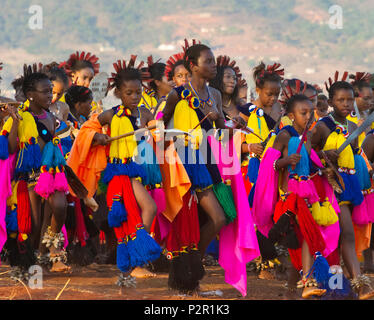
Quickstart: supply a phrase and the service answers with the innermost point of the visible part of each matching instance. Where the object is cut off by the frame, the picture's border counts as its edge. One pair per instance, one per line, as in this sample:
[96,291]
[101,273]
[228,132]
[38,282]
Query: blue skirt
[352,192]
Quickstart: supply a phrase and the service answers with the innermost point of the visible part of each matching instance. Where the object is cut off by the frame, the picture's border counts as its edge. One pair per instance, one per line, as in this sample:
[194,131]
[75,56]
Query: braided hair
[291,102]
[30,81]
[338,86]
[192,54]
[77,94]
[360,80]
[55,73]
[263,74]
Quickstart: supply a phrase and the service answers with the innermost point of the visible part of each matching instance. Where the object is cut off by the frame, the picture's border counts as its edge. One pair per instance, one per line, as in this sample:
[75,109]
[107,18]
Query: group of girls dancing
[185,168]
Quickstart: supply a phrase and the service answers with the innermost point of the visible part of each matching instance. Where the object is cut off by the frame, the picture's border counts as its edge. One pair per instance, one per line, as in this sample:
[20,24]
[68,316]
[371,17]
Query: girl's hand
[213,116]
[12,111]
[293,159]
[239,122]
[256,148]
[100,139]
[332,155]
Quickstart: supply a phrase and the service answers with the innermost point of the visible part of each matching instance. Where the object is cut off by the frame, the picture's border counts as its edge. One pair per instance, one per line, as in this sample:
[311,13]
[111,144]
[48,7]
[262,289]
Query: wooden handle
[132,133]
[202,120]
[10,103]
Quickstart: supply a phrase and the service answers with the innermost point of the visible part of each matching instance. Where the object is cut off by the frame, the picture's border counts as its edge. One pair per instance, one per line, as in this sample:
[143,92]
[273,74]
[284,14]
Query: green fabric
[224,195]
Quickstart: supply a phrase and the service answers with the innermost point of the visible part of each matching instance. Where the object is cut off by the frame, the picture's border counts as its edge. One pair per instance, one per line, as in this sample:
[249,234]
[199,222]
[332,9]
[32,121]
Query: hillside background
[293,32]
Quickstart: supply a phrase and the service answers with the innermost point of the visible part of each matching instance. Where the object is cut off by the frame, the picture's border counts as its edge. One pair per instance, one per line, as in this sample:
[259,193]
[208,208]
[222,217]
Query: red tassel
[102,237]
[309,228]
[23,208]
[318,183]
[185,230]
[295,256]
[80,230]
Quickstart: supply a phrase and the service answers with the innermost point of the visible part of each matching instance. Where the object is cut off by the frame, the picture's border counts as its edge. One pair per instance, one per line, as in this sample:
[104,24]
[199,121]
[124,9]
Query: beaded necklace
[208,101]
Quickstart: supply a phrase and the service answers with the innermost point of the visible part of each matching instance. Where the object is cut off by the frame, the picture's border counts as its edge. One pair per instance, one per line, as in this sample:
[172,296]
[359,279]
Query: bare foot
[59,267]
[91,203]
[142,273]
[308,292]
[266,275]
[366,293]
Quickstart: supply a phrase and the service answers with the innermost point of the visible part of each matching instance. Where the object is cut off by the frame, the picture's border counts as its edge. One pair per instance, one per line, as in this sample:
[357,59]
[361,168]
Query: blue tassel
[196,169]
[143,249]
[58,157]
[4,151]
[11,221]
[352,190]
[323,276]
[362,172]
[213,249]
[251,196]
[29,158]
[36,156]
[253,167]
[66,144]
[47,157]
[147,159]
[344,292]
[321,270]
[130,169]
[117,214]
[123,258]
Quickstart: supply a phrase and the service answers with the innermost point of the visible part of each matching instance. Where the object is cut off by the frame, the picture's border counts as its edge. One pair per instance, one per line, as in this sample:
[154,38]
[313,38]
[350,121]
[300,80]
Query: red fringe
[121,185]
[318,183]
[185,230]
[80,230]
[306,227]
[295,256]
[309,228]
[23,208]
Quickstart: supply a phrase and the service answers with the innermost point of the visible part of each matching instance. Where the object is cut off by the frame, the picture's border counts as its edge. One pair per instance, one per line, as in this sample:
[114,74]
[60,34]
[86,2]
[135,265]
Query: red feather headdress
[121,65]
[360,76]
[83,56]
[187,45]
[336,77]
[171,62]
[288,91]
[274,68]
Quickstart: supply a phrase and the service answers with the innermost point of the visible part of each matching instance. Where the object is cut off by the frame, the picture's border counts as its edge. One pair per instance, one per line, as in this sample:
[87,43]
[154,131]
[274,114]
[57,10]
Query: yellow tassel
[253,124]
[125,147]
[324,214]
[12,200]
[185,119]
[346,157]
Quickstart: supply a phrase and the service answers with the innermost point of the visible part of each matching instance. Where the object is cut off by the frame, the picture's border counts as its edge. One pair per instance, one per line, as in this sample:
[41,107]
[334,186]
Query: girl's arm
[104,118]
[281,144]
[169,108]
[13,134]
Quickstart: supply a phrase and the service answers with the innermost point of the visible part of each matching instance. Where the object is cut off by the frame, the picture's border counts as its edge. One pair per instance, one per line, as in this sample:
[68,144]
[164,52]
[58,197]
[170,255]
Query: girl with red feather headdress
[81,67]
[131,208]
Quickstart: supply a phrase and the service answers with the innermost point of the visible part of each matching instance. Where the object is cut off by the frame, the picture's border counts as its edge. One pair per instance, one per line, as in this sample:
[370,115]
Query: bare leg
[58,204]
[349,252]
[47,216]
[348,242]
[307,261]
[211,206]
[147,206]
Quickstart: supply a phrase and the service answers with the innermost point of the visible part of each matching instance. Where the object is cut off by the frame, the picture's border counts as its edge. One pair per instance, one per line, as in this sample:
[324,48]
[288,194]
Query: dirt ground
[97,282]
